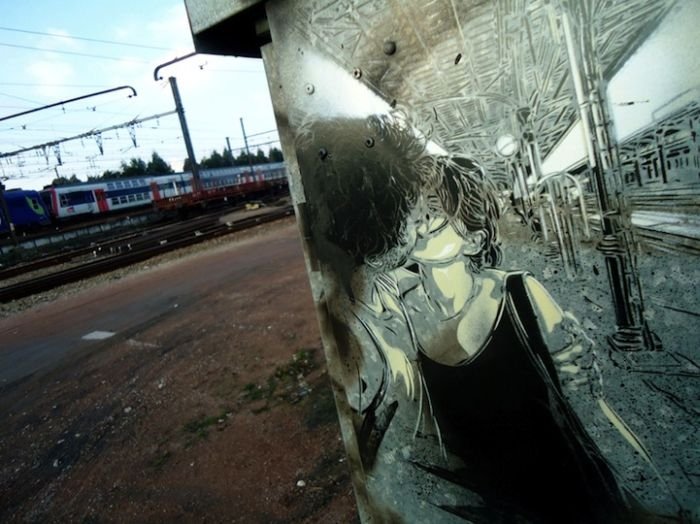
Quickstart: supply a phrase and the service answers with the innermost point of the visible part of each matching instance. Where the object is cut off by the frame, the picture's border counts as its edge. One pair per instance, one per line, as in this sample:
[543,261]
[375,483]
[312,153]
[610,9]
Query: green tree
[260,157]
[158,165]
[214,160]
[108,174]
[242,159]
[275,155]
[62,181]
[135,167]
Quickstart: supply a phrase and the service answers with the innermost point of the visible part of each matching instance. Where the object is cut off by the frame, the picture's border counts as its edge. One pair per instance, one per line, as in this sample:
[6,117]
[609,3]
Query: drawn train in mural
[661,163]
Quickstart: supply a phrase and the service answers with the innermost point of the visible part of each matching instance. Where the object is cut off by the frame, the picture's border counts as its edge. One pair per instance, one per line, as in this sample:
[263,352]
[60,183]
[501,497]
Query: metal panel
[507,342]
[234,27]
[206,14]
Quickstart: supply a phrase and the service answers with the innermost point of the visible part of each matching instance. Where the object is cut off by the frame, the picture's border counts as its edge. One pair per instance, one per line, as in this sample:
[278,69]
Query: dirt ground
[221,412]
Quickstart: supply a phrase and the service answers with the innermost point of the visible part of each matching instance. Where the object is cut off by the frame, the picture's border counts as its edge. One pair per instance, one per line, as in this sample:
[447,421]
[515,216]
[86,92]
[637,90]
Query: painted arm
[577,363]
[572,350]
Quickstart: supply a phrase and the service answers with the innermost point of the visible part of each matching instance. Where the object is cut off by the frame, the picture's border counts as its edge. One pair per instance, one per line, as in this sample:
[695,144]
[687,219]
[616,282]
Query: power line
[86,135]
[36,84]
[217,70]
[71,37]
[263,133]
[74,53]
[20,98]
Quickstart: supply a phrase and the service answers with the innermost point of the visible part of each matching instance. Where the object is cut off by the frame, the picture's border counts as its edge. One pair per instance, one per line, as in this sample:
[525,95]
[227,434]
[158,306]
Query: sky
[54,51]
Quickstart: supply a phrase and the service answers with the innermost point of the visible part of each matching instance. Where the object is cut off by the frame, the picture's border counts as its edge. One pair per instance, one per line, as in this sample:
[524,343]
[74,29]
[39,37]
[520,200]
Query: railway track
[113,245]
[127,251]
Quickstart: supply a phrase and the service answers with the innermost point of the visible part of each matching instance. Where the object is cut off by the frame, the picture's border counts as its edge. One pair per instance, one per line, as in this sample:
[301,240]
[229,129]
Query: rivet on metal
[389,47]
[309,89]
[357,73]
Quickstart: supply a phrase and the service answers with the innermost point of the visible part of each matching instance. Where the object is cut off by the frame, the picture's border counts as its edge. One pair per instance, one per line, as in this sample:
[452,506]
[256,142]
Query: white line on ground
[98,335]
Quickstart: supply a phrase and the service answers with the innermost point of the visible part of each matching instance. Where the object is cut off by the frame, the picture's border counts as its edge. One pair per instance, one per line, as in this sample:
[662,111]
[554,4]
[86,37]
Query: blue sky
[40,69]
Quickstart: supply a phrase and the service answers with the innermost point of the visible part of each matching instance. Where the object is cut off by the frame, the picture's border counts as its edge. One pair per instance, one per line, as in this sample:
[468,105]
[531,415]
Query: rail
[137,252]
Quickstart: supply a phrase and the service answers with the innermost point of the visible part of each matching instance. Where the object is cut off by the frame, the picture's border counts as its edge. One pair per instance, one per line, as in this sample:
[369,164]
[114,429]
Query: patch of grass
[160,460]
[198,428]
[252,391]
[287,381]
[303,362]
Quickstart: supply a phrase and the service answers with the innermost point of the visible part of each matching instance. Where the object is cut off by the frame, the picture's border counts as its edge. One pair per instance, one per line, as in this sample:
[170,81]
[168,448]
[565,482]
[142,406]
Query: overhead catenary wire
[75,53]
[87,134]
[85,39]
[44,84]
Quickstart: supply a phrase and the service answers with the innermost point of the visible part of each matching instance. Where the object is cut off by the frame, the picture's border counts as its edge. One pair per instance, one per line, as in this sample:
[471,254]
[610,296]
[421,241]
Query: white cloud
[48,73]
[58,43]
[172,29]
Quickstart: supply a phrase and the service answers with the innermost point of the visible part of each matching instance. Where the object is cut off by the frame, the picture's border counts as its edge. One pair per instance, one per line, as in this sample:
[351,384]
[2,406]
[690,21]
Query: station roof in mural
[472,71]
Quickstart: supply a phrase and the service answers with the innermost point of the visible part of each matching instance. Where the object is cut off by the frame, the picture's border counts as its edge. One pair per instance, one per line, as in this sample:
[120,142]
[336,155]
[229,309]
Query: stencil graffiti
[499,208]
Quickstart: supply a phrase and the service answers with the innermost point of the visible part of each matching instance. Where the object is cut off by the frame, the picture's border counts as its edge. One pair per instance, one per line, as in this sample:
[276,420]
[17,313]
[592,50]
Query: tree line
[226,159]
[137,167]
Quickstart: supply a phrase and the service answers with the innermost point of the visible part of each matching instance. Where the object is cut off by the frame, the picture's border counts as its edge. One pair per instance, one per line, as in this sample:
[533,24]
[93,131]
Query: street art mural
[498,202]
[457,367]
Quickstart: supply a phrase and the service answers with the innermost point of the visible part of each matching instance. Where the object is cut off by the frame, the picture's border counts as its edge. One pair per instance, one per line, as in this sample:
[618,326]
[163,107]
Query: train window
[115,201]
[123,200]
[34,203]
[76,197]
[132,198]
[110,185]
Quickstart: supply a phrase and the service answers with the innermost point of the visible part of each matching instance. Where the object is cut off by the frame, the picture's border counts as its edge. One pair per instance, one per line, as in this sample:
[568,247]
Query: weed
[252,391]
[199,427]
[159,461]
[287,381]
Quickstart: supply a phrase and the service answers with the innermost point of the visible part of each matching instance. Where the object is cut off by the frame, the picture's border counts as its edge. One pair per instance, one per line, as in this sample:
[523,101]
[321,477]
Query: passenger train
[26,209]
[31,209]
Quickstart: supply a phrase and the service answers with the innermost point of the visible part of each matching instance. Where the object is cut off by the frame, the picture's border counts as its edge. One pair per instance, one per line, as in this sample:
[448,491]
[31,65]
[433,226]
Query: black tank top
[521,446]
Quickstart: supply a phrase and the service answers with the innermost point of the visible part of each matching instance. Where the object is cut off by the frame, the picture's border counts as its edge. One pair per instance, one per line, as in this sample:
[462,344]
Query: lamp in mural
[508,147]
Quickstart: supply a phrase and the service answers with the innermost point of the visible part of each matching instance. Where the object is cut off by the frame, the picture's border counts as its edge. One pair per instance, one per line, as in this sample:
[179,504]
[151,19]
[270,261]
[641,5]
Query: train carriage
[104,196]
[95,198]
[27,211]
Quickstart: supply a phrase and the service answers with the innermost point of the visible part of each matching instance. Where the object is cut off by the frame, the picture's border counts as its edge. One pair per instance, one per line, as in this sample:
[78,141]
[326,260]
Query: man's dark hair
[363,180]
